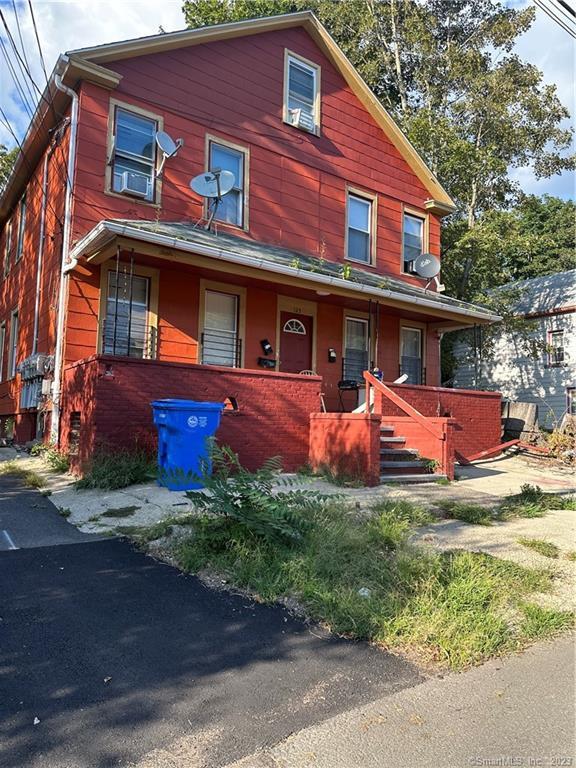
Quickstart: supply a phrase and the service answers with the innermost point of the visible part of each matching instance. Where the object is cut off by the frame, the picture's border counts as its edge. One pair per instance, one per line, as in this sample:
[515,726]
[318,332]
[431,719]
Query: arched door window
[294,326]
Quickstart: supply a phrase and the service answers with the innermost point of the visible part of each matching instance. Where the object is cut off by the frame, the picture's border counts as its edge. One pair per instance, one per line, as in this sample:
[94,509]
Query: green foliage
[118,469]
[571,556]
[7,160]
[29,477]
[362,578]
[54,458]
[248,500]
[475,514]
[544,548]
[64,511]
[533,502]
[541,622]
[120,511]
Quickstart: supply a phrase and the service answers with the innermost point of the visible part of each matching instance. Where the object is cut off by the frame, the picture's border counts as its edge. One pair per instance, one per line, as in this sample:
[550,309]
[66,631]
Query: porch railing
[221,348]
[412,366]
[354,363]
[124,338]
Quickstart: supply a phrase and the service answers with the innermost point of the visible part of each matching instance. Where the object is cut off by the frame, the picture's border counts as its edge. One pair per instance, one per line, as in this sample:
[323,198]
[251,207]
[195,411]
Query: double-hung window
[2,345]
[302,94]
[13,349]
[413,235]
[220,340]
[555,347]
[7,248]
[359,228]
[126,328]
[134,154]
[411,349]
[21,227]
[232,207]
[355,349]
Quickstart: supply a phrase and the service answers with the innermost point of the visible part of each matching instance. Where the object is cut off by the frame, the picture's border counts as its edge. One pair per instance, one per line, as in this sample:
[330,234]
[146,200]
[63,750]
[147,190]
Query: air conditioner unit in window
[302,120]
[134,184]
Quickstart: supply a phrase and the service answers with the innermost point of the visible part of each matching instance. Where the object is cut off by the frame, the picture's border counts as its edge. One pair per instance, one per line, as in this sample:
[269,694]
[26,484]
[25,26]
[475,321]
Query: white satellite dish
[213,183]
[427,265]
[167,146]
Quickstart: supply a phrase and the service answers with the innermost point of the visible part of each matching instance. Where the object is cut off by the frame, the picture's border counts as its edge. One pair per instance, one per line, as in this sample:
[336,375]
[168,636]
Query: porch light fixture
[331,355]
[266,347]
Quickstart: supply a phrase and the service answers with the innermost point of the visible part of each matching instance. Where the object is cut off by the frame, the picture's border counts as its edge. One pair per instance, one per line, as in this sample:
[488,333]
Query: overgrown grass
[545,548]
[28,477]
[120,511]
[571,556]
[541,622]
[118,469]
[363,579]
[54,458]
[475,514]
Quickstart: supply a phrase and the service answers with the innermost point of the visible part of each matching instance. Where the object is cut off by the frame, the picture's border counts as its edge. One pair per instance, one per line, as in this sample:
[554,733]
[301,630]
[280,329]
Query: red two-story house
[114,292]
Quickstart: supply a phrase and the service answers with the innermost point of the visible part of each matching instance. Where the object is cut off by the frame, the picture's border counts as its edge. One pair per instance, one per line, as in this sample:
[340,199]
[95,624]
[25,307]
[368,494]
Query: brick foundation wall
[347,444]
[476,413]
[113,396]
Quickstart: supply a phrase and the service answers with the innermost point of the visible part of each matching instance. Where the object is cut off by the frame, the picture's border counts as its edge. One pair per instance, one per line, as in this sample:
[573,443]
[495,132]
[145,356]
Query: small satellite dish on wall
[167,146]
[427,265]
[213,183]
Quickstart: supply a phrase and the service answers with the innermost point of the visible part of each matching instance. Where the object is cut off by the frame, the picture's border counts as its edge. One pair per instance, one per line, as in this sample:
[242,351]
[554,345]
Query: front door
[295,342]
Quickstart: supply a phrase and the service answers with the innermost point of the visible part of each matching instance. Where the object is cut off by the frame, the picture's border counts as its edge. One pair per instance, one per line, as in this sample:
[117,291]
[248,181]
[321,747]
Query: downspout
[40,251]
[66,265]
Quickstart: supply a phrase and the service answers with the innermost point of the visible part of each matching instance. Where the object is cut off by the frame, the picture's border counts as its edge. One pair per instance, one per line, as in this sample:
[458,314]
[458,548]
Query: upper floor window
[555,347]
[359,228]
[2,345]
[7,248]
[413,239]
[134,154]
[13,349]
[21,227]
[225,157]
[302,93]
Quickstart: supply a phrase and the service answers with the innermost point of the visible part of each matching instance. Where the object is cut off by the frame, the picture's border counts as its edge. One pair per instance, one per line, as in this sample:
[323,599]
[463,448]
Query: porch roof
[275,259]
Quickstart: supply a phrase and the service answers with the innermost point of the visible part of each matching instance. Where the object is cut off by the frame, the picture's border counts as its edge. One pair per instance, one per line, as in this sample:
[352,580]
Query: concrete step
[425,478]
[386,428]
[414,464]
[384,439]
[399,453]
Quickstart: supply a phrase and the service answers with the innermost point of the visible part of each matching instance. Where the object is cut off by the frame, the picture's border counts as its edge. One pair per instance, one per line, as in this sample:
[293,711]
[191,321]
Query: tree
[472,108]
[7,160]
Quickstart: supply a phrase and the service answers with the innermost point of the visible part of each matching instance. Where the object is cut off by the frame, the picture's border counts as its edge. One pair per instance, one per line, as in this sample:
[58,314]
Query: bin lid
[174,404]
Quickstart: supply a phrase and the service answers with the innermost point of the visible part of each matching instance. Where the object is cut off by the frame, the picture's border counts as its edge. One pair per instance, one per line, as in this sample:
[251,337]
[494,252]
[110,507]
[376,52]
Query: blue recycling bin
[184,427]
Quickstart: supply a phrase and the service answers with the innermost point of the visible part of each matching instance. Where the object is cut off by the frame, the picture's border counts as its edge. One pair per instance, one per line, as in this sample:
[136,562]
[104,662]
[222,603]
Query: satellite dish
[213,183]
[427,265]
[167,146]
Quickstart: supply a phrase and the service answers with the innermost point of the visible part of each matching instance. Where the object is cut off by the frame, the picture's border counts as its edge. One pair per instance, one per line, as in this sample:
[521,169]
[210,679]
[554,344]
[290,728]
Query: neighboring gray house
[549,380]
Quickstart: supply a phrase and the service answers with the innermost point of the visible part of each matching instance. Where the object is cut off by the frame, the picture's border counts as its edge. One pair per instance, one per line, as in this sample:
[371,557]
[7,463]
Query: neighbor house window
[2,345]
[134,154]
[555,347]
[355,360]
[126,328]
[13,349]
[21,227]
[413,236]
[220,341]
[7,248]
[232,208]
[359,226]
[302,93]
[571,401]
[411,355]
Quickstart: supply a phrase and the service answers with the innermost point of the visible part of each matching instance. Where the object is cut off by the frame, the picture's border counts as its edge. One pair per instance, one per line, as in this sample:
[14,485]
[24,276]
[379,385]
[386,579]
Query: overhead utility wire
[23,97]
[20,33]
[555,18]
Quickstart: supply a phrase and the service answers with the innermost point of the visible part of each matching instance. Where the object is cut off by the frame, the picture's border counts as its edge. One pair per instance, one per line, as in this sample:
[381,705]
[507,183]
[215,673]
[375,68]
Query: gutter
[121,230]
[66,265]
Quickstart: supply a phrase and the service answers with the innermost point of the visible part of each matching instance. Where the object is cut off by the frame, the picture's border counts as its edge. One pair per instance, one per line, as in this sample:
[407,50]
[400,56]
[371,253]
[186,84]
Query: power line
[19,32]
[16,80]
[551,14]
[38,42]
[567,10]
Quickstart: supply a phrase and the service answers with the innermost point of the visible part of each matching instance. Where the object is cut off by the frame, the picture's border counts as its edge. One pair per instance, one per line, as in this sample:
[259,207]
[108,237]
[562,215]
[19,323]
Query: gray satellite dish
[427,265]
[213,183]
[167,146]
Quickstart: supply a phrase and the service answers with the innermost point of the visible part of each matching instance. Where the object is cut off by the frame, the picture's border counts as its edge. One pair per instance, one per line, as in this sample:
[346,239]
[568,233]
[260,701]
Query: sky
[67,24]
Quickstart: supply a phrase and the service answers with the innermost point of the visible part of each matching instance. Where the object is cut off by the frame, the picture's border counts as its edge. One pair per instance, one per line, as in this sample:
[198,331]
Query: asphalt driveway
[109,658]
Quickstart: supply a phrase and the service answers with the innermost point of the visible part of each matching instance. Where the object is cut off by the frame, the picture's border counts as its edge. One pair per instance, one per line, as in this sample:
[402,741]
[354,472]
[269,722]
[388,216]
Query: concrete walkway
[516,712]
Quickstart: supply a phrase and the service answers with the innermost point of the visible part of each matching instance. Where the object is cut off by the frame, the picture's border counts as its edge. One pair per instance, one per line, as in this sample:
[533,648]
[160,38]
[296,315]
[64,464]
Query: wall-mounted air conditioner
[302,120]
[134,184]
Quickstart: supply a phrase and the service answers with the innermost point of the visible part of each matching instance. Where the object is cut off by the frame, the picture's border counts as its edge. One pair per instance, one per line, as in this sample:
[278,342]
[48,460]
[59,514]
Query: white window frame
[571,401]
[243,189]
[2,348]
[22,208]
[7,248]
[114,106]
[372,201]
[13,349]
[551,360]
[293,58]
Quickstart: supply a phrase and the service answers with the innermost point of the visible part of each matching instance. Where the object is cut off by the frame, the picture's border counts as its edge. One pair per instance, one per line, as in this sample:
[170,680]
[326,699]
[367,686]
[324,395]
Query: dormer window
[133,154]
[302,93]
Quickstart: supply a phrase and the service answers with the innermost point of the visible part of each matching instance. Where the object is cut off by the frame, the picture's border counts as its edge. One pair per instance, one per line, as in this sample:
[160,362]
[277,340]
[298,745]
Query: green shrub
[118,469]
[54,458]
[533,502]
[247,500]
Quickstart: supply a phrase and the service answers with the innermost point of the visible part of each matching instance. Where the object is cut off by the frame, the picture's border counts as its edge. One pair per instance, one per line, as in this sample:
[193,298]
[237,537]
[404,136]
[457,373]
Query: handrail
[399,402]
